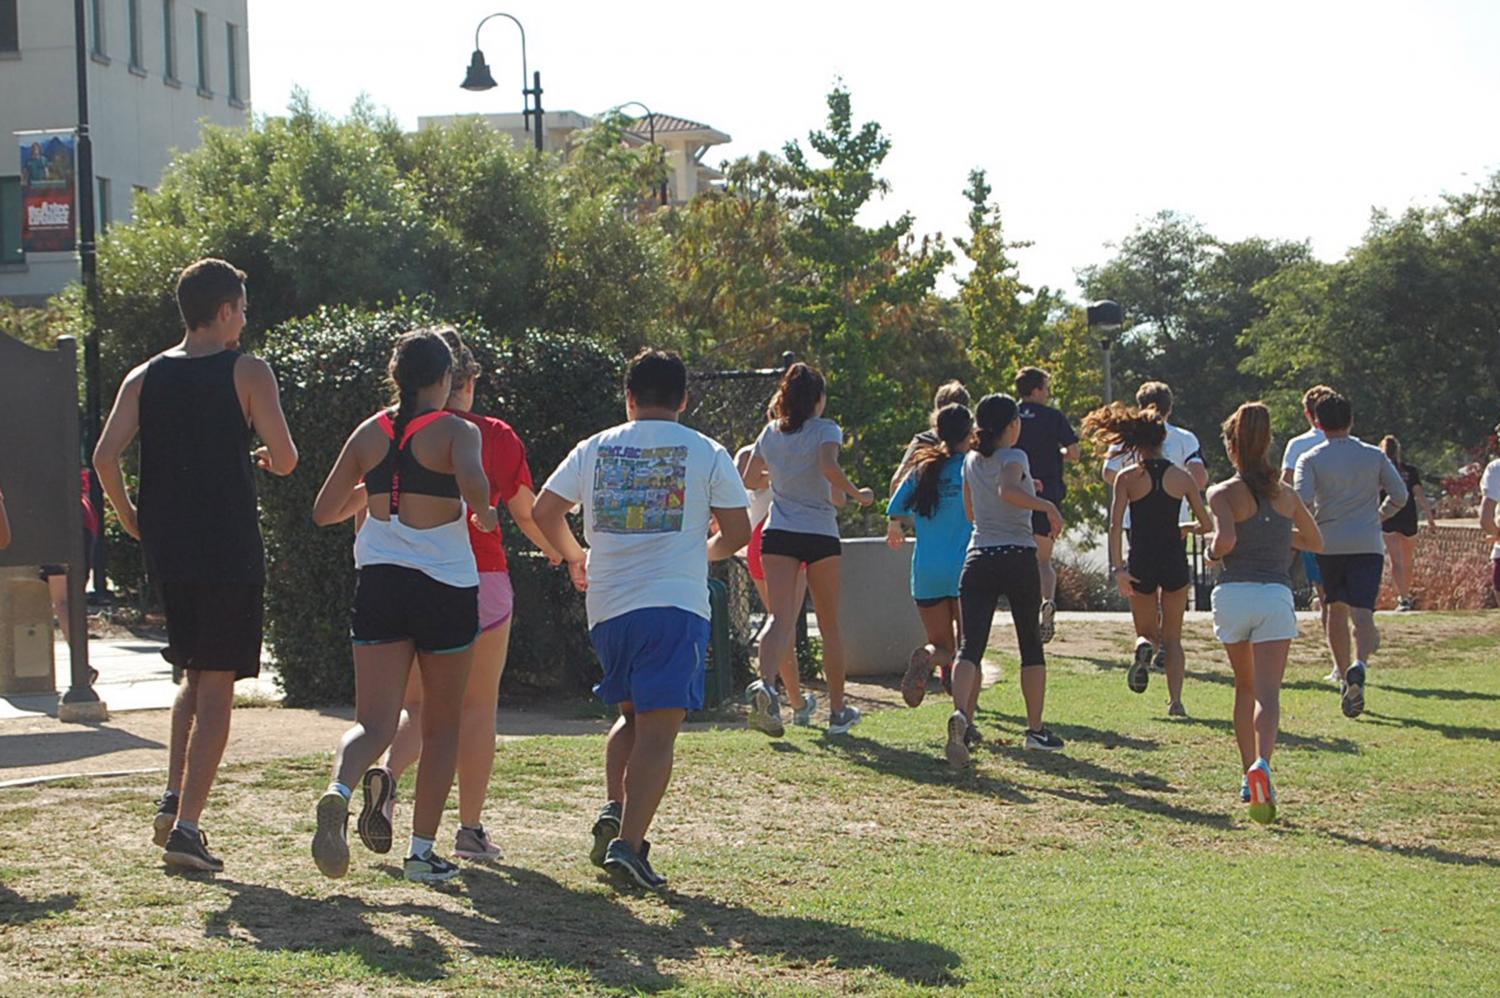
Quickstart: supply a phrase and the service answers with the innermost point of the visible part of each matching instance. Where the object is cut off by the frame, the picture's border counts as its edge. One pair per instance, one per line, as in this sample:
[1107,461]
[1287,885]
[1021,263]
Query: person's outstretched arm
[551,516]
[123,424]
[828,460]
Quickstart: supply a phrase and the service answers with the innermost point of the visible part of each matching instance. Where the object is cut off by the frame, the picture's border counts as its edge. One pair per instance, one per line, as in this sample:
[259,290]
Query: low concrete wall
[878,618]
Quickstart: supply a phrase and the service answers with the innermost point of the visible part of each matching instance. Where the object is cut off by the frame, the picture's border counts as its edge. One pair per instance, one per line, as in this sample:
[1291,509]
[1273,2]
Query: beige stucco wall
[136,118]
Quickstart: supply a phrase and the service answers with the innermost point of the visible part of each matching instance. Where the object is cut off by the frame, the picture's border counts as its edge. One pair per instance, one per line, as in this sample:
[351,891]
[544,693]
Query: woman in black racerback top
[1153,490]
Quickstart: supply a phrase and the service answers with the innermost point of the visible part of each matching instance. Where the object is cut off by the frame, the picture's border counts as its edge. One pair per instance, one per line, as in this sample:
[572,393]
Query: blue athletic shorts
[1310,567]
[653,657]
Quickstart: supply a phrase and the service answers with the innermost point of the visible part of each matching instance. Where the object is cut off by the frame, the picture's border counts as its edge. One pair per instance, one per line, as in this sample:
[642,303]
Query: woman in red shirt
[510,485]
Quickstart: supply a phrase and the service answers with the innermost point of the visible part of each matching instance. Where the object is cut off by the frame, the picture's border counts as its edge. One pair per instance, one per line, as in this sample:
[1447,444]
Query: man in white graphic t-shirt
[649,489]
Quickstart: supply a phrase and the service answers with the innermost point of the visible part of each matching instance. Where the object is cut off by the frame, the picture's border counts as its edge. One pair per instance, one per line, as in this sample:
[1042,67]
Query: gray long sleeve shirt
[1340,480]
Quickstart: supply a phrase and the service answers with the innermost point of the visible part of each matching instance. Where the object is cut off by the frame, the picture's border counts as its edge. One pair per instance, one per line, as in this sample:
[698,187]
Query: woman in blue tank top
[1259,522]
[1152,489]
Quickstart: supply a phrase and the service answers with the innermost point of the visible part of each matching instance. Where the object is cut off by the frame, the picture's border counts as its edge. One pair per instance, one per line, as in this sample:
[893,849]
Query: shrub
[331,366]
[1081,586]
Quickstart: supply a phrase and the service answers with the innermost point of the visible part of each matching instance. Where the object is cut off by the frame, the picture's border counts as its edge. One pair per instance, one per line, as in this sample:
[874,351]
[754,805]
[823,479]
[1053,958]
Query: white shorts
[1253,611]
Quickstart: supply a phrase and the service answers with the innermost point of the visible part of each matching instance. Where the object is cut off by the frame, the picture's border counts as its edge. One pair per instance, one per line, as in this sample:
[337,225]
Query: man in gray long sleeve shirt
[1340,480]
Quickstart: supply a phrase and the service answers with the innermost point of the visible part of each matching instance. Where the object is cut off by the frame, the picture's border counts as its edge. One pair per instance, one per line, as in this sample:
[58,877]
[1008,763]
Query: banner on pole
[49,189]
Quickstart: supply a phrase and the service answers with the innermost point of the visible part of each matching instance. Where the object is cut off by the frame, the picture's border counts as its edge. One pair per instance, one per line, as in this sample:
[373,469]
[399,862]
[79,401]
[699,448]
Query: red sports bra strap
[419,423]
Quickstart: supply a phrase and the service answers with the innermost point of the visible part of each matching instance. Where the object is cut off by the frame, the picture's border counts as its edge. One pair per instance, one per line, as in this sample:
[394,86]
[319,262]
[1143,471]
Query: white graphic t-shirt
[1489,487]
[646,489]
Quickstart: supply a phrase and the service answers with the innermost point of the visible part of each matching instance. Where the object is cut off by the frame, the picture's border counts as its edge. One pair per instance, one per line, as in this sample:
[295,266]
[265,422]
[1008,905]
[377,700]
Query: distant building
[157,70]
[683,142]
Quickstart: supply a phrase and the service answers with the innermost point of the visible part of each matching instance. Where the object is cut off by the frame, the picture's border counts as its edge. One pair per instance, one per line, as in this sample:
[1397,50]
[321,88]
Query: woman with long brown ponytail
[1258,523]
[1400,531]
[801,450]
[1152,489]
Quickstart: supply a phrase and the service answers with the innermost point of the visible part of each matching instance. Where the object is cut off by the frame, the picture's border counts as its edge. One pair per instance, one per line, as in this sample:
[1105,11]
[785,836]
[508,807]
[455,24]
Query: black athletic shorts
[393,603]
[1052,491]
[214,627]
[1167,571]
[1352,578]
[806,548]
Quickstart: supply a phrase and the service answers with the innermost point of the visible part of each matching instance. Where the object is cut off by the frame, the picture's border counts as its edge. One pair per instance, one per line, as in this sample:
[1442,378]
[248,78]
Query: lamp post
[1106,318]
[478,77]
[651,131]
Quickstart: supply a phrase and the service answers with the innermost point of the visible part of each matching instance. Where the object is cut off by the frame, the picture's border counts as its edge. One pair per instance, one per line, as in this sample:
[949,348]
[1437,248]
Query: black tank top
[1153,517]
[198,513]
[399,472]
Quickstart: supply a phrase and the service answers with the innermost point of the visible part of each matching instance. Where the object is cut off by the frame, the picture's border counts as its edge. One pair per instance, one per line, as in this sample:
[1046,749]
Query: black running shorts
[806,548]
[214,628]
[393,603]
[1352,578]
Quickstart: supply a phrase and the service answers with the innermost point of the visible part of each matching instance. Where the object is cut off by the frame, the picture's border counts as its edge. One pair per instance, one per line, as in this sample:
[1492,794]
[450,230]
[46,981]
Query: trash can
[26,664]
[718,678]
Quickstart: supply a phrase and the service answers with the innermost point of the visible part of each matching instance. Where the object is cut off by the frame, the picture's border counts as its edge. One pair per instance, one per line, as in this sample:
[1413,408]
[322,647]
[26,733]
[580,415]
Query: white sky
[1275,118]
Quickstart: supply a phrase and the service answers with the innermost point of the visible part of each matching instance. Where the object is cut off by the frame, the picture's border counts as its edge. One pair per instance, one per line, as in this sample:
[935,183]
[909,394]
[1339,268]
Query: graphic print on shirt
[640,490]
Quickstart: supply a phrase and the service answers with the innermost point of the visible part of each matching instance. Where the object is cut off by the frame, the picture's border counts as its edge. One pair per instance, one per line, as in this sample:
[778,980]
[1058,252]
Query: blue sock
[340,789]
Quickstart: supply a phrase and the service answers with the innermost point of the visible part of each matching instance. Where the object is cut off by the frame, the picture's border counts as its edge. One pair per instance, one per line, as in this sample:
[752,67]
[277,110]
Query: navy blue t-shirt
[1044,433]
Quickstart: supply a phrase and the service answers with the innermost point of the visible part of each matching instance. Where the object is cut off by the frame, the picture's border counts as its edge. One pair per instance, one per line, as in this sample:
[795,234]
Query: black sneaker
[1043,740]
[1138,676]
[605,830]
[189,851]
[429,869]
[1159,663]
[374,823]
[973,736]
[627,865]
[166,817]
[1353,702]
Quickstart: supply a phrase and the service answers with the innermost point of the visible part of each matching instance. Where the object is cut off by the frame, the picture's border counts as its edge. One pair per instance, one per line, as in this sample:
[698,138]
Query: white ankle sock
[188,826]
[420,847]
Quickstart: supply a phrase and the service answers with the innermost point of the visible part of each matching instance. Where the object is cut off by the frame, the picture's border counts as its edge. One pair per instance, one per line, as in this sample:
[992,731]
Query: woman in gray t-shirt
[801,450]
[1000,496]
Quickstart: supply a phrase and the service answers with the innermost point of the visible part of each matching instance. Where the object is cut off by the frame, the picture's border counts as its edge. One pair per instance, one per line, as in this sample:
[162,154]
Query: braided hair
[419,360]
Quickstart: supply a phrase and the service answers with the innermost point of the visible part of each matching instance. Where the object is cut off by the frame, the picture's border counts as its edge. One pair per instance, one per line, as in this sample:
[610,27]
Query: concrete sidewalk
[132,676]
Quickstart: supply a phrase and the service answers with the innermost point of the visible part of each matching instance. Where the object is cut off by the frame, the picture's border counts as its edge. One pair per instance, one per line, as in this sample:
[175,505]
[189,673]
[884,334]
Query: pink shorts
[496,600]
[752,553]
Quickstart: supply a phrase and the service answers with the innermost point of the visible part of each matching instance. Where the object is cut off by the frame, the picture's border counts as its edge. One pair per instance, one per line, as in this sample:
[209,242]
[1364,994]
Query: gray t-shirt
[1340,480]
[996,521]
[801,499]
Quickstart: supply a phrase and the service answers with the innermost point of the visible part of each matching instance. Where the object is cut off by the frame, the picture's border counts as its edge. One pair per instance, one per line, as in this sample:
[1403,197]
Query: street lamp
[478,78]
[651,128]
[1106,318]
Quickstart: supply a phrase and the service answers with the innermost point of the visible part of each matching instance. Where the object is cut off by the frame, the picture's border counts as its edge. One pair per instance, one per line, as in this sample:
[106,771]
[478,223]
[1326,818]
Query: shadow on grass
[1075,732]
[1416,852]
[524,915]
[78,741]
[1446,730]
[1227,679]
[1284,738]
[1441,694]
[18,910]
[919,767]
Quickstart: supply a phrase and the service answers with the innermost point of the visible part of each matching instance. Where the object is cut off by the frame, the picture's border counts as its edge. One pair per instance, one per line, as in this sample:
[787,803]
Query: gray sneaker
[1138,676]
[1047,623]
[428,869]
[840,723]
[802,717]
[626,865]
[957,749]
[189,851]
[474,844]
[330,844]
[606,829]
[377,809]
[765,710]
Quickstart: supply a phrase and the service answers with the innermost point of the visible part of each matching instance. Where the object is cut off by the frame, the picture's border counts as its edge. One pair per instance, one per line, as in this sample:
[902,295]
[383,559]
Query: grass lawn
[856,864]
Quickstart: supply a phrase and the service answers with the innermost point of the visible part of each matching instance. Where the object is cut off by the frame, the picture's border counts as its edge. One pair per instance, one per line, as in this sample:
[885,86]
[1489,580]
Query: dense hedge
[554,389]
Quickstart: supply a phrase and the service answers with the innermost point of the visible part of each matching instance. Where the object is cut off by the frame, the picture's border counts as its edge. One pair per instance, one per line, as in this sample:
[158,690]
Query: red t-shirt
[505,465]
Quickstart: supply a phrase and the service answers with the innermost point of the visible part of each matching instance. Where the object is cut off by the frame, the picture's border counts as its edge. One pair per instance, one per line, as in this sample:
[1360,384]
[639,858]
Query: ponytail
[954,423]
[797,397]
[419,359]
[992,418]
[1247,437]
[1392,448]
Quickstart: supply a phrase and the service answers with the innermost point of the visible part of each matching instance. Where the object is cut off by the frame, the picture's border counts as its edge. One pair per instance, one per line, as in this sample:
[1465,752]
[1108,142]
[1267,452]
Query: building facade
[683,142]
[157,71]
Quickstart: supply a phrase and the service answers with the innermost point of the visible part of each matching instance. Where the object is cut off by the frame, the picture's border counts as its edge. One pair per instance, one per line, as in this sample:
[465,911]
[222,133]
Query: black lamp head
[478,77]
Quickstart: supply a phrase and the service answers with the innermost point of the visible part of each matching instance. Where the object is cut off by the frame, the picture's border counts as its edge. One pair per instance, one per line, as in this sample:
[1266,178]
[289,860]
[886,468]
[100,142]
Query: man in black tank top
[197,407]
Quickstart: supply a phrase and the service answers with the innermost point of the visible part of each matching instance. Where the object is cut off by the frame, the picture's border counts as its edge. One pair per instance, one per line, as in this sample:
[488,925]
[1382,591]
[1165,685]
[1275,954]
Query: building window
[10,221]
[200,23]
[96,8]
[232,36]
[102,206]
[133,24]
[10,33]
[169,39]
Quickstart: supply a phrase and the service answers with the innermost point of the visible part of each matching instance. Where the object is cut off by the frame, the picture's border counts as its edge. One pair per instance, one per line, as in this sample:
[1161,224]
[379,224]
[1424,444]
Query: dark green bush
[553,389]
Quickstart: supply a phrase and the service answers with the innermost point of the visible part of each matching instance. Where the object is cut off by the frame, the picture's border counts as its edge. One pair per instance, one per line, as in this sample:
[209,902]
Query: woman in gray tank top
[1259,522]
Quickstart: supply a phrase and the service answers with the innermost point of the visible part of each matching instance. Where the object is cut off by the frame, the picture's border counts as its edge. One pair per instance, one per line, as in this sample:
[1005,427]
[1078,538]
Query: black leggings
[990,573]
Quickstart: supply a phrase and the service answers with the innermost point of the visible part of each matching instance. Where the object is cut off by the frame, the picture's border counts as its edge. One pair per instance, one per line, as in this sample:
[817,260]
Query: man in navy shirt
[1048,440]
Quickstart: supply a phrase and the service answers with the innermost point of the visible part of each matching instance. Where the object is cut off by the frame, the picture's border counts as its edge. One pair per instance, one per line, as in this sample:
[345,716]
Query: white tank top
[442,553]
